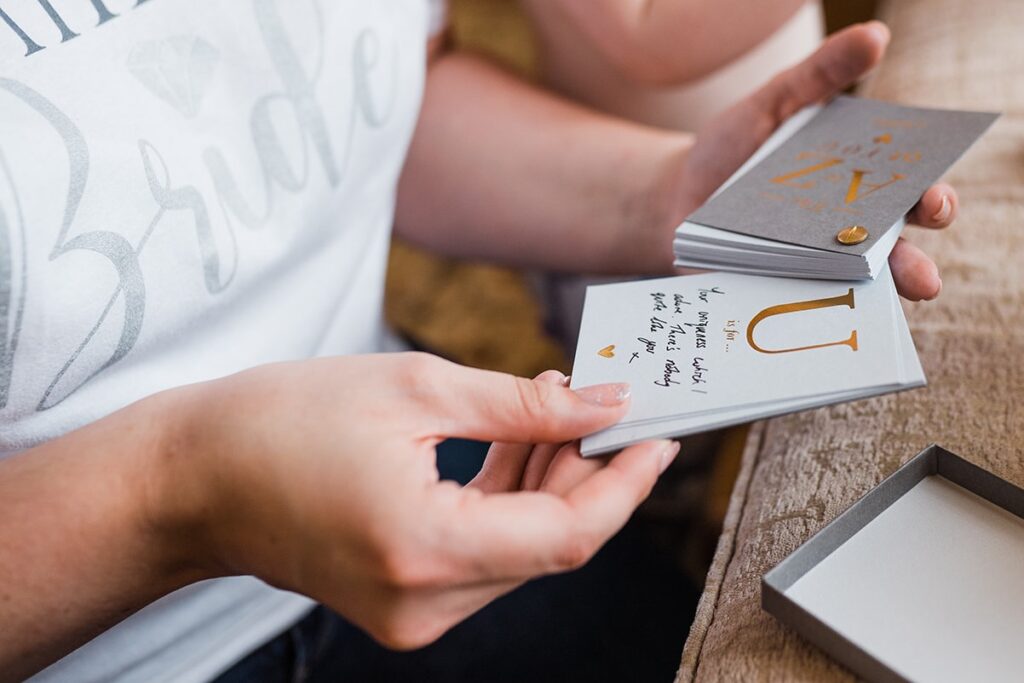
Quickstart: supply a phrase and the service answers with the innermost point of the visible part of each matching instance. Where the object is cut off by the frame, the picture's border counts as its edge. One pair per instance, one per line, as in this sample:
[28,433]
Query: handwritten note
[702,344]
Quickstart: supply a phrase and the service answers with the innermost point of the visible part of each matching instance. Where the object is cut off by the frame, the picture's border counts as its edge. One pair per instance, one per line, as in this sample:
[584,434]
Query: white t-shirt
[189,188]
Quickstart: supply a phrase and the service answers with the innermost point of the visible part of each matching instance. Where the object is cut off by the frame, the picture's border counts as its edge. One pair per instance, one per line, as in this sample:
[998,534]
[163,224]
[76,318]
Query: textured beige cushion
[800,471]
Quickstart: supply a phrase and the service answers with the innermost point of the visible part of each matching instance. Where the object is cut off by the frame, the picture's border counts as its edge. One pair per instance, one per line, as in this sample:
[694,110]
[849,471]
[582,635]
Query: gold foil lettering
[843,300]
[853,194]
[785,179]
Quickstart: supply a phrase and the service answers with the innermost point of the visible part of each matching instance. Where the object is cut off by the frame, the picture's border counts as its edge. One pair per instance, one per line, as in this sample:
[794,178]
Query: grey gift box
[920,579]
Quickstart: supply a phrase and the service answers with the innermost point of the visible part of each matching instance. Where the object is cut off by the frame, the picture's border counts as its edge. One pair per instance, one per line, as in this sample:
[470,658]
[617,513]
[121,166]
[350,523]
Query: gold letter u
[844,300]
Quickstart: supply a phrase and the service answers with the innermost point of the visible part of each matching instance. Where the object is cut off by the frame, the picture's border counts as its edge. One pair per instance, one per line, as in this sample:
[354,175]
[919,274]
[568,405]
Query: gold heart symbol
[608,351]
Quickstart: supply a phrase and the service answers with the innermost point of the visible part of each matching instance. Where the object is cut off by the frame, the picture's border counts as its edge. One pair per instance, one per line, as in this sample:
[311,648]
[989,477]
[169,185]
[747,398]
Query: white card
[720,348]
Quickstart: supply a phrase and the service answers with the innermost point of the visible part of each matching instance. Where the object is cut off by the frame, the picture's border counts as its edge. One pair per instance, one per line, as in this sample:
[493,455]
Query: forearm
[82,548]
[506,172]
[668,42]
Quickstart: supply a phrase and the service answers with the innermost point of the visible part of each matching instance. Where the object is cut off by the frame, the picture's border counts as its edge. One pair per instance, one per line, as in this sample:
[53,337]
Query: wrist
[650,241]
[176,503]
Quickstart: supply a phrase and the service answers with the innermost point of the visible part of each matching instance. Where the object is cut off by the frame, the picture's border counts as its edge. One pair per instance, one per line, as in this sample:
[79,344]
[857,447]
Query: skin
[639,182]
[641,38]
[327,484]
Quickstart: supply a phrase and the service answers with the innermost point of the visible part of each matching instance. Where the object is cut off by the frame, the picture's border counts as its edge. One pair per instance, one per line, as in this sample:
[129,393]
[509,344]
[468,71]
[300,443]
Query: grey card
[857,162]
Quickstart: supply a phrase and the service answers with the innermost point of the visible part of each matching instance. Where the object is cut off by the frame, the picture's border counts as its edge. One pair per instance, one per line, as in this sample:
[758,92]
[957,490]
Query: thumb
[843,59]
[493,406]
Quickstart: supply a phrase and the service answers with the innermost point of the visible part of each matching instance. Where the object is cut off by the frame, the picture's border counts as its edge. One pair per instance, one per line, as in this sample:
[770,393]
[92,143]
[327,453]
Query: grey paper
[858,162]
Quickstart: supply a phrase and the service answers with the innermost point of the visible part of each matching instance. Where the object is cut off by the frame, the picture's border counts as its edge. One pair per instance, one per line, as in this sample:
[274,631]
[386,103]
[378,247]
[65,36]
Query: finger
[522,535]
[840,62]
[938,207]
[724,144]
[492,406]
[607,499]
[503,467]
[569,469]
[505,463]
[537,468]
[916,275]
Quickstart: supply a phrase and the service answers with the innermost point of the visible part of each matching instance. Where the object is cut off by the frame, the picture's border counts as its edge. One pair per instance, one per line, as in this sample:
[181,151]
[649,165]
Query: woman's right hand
[319,477]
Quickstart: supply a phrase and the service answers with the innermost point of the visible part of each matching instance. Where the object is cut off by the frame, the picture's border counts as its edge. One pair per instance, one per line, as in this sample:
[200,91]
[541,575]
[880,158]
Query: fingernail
[604,394]
[945,209]
[668,455]
[567,381]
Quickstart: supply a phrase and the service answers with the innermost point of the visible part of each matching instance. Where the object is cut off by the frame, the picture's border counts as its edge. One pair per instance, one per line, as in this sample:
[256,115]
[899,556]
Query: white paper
[706,350]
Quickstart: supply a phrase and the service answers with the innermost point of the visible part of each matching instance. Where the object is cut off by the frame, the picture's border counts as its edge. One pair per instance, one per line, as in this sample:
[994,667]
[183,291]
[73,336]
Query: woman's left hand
[842,60]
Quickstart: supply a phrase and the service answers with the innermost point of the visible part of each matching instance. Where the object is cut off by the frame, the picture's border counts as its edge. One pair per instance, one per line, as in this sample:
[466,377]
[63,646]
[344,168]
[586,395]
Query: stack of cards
[708,351]
[825,196]
[823,200]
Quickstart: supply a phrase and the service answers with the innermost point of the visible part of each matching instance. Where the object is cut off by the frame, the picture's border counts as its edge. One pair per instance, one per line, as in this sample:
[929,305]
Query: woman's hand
[840,62]
[319,477]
